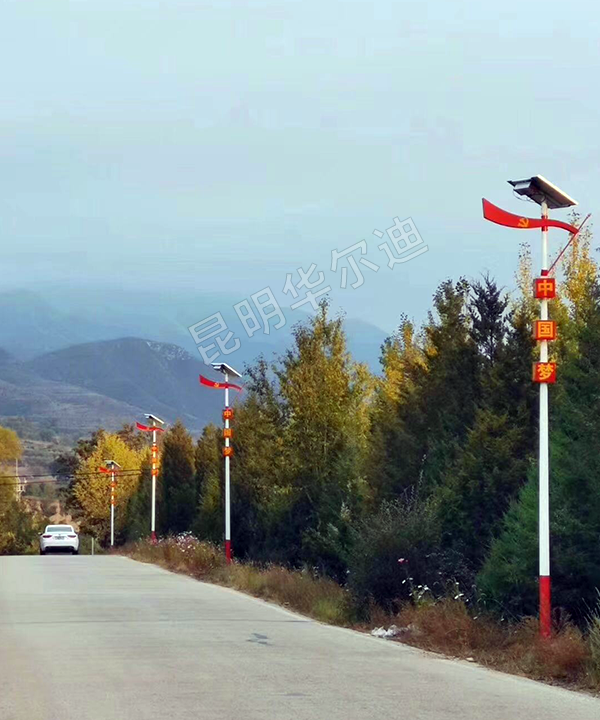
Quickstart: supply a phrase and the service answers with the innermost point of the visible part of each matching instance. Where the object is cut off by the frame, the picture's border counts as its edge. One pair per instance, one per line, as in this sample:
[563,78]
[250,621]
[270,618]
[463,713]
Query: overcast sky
[222,145]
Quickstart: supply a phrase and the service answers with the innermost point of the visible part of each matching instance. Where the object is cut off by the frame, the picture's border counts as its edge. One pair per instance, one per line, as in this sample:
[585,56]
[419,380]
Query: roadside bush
[19,529]
[396,553]
[447,626]
[182,553]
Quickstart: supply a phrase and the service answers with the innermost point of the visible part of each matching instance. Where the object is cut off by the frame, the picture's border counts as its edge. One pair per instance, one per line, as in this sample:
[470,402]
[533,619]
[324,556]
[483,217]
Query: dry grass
[320,598]
[594,643]
[449,627]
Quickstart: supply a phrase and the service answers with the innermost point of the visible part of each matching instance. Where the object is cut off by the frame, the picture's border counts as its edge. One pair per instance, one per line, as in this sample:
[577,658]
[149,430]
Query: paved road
[105,638]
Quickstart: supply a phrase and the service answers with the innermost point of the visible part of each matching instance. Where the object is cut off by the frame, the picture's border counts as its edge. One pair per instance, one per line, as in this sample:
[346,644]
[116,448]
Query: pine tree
[326,397]
[137,525]
[261,492]
[451,390]
[397,442]
[493,462]
[509,576]
[427,399]
[177,479]
[209,523]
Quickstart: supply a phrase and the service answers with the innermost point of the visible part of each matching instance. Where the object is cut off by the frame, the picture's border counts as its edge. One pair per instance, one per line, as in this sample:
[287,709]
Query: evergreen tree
[261,494]
[209,523]
[509,576]
[177,479]
[398,438]
[326,399]
[452,389]
[137,525]
[492,464]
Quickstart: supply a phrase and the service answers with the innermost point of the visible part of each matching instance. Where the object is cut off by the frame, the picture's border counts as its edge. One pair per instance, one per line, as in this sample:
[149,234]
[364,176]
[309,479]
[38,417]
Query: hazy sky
[221,145]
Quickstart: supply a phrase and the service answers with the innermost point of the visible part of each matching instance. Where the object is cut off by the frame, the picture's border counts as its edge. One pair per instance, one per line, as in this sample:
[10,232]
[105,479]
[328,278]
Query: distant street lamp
[112,467]
[547,195]
[153,427]
[227,371]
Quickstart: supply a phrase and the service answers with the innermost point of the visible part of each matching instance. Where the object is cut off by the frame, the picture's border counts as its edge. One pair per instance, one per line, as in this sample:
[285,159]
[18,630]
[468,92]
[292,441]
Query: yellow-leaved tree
[92,488]
[18,527]
[10,450]
[579,273]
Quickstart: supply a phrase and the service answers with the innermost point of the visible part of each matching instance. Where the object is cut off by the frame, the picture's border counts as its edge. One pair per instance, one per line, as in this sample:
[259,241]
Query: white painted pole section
[227,483]
[544,465]
[112,507]
[154,471]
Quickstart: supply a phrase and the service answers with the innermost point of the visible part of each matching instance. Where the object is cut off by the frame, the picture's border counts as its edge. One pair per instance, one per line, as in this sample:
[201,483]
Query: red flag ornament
[146,428]
[218,385]
[502,217]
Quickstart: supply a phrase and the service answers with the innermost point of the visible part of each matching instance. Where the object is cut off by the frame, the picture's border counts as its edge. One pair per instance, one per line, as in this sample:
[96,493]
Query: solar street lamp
[546,195]
[228,372]
[153,426]
[112,466]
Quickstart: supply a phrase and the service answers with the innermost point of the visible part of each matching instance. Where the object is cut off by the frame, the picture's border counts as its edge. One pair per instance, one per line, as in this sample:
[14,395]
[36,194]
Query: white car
[59,538]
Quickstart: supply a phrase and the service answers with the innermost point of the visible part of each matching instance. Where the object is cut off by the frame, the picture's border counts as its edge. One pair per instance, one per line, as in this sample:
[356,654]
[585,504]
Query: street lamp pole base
[228,551]
[153,538]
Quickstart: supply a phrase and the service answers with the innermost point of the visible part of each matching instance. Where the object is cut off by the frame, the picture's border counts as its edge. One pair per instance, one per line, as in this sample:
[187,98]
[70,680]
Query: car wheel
[74,552]
[41,552]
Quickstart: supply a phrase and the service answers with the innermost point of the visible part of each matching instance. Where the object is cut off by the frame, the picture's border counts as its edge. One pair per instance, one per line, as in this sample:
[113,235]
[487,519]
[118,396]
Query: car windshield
[59,528]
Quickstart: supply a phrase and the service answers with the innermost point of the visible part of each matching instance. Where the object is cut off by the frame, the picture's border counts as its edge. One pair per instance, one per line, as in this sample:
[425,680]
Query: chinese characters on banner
[544,330]
[262,312]
[544,288]
[544,372]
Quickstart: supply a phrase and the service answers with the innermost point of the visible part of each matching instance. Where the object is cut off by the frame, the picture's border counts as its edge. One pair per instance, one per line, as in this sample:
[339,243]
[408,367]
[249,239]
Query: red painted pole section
[545,607]
[228,551]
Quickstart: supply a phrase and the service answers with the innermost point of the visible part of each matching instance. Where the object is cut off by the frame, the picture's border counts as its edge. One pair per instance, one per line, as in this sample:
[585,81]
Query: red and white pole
[112,506]
[154,475]
[544,466]
[227,481]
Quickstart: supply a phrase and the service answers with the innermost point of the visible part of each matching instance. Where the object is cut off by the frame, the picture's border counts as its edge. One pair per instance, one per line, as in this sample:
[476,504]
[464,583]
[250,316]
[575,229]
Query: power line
[127,471]
[60,478]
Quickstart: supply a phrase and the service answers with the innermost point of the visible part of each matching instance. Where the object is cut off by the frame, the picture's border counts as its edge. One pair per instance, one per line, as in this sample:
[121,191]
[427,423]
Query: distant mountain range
[77,371]
[33,324]
[107,383]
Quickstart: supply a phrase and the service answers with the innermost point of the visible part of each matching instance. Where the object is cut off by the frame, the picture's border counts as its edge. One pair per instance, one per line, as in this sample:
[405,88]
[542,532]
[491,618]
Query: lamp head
[225,369]
[540,190]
